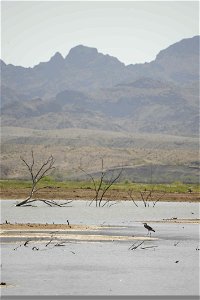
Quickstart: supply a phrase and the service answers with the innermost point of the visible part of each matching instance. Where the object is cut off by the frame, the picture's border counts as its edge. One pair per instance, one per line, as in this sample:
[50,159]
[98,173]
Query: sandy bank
[87,194]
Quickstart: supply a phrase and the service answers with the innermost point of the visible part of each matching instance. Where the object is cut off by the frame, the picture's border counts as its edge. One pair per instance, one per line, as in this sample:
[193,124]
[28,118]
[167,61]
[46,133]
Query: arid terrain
[167,158]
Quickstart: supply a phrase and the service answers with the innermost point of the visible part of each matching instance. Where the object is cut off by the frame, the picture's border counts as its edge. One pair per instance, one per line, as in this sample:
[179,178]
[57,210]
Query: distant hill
[178,63]
[87,89]
[84,68]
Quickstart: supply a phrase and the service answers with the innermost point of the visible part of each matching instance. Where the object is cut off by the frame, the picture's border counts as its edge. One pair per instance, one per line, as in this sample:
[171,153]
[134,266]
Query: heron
[149,228]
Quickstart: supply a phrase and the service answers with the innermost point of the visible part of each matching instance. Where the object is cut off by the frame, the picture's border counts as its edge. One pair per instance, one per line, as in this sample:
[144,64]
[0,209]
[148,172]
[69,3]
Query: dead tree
[151,196]
[148,196]
[130,193]
[144,195]
[36,177]
[102,185]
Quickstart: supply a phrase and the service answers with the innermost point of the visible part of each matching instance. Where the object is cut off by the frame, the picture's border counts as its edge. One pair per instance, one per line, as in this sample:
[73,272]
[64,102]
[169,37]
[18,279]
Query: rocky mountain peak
[183,48]
[81,55]
[57,58]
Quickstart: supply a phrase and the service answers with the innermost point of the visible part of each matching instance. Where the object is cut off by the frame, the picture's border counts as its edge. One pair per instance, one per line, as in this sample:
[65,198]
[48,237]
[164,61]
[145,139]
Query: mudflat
[63,232]
[88,194]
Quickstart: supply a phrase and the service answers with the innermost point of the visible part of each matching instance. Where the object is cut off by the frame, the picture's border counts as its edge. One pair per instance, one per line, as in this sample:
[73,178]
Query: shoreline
[9,227]
[88,195]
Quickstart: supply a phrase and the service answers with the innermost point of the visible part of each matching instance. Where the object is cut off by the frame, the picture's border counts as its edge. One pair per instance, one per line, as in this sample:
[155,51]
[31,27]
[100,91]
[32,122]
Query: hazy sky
[132,31]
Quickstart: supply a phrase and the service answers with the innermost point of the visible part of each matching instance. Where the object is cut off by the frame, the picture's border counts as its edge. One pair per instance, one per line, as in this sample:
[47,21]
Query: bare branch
[90,177]
[134,246]
[101,187]
[40,173]
[49,241]
[50,161]
[130,195]
[109,185]
[159,198]
[143,199]
[29,168]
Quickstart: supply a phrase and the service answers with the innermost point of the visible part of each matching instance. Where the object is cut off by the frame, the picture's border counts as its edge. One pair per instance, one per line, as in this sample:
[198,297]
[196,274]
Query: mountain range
[90,90]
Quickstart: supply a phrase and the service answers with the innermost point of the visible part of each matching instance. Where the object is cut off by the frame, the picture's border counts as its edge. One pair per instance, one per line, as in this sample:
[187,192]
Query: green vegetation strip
[176,187]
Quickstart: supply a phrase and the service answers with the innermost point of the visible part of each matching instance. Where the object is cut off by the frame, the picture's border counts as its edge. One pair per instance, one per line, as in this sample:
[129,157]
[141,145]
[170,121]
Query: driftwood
[148,247]
[135,246]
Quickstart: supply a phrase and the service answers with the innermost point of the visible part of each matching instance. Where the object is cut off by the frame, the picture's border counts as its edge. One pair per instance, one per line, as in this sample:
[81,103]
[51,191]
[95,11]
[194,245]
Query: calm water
[124,213]
[170,267]
[102,269]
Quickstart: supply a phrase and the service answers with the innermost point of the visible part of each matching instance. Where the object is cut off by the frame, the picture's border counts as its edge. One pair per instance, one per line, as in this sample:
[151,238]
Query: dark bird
[68,223]
[149,228]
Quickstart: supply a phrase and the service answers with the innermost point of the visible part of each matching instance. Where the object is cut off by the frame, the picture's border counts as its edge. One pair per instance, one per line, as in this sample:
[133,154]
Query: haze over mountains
[89,105]
[87,89]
